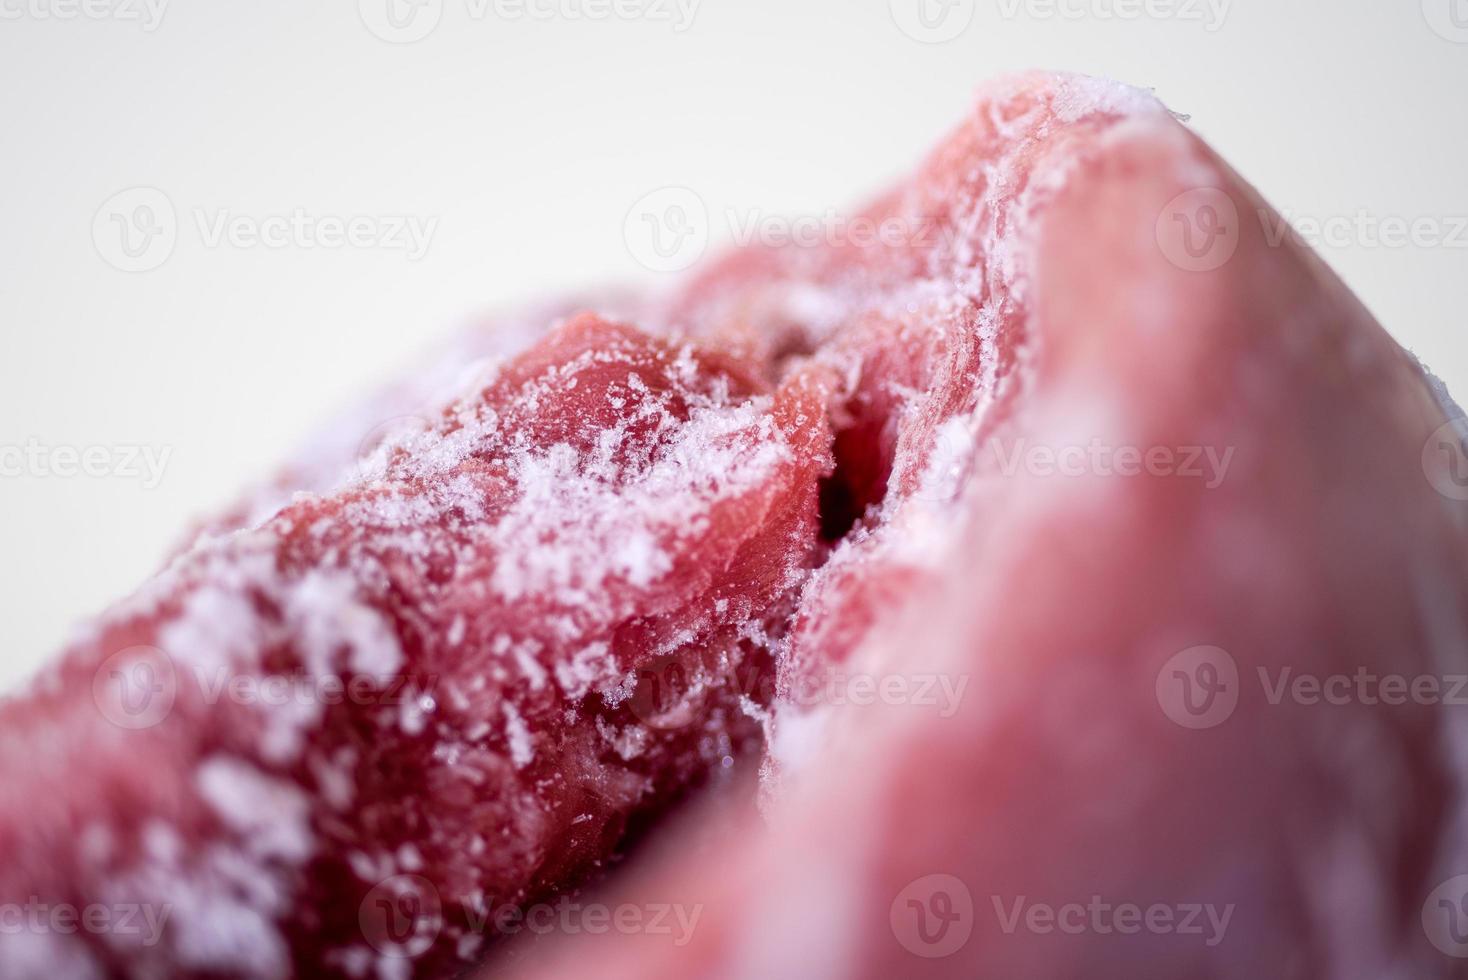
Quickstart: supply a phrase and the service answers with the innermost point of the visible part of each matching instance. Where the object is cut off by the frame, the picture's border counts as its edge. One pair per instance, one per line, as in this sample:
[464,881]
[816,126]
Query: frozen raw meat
[1012,540]
[1173,696]
[422,687]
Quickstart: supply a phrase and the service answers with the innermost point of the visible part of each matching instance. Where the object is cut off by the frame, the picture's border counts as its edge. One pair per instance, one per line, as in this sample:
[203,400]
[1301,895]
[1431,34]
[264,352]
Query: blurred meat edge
[1278,834]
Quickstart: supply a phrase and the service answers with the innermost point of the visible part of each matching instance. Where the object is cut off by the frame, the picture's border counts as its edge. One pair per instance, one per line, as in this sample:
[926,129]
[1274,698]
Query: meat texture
[1159,616]
[417,692]
[1083,565]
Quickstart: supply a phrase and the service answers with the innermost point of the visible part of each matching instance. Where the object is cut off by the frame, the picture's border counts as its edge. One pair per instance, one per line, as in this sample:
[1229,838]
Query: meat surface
[418,691]
[1188,625]
[1081,564]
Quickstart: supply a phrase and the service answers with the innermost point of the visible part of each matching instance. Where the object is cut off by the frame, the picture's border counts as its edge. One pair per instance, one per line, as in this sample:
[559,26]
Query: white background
[528,139]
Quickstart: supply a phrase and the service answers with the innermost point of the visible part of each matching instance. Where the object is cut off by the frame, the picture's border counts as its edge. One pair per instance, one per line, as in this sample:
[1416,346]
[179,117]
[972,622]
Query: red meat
[418,691]
[1004,538]
[1126,777]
